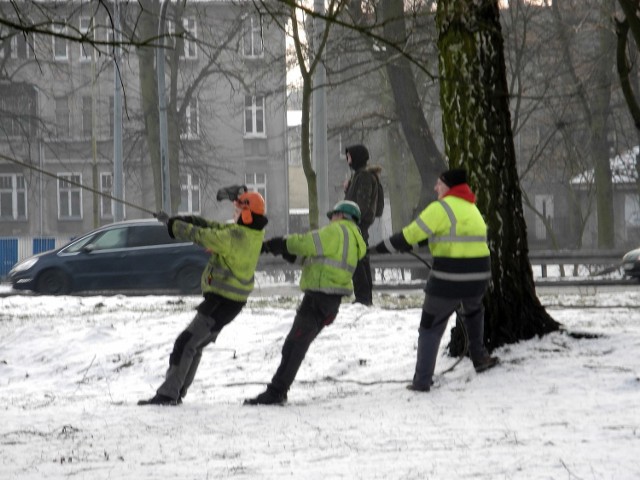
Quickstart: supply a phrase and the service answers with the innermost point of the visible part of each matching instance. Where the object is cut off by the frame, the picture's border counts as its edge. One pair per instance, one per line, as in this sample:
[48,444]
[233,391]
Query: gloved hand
[276,246]
[265,248]
[231,193]
[289,257]
[162,217]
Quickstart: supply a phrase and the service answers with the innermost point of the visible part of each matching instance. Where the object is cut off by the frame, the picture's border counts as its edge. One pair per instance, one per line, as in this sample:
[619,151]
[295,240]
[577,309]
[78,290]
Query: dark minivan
[130,255]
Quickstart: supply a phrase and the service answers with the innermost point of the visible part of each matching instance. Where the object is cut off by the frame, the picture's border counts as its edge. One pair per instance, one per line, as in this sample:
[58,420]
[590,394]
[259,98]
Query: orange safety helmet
[250,202]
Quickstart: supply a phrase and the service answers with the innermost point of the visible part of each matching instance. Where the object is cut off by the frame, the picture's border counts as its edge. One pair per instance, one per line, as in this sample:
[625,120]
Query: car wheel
[53,282]
[189,279]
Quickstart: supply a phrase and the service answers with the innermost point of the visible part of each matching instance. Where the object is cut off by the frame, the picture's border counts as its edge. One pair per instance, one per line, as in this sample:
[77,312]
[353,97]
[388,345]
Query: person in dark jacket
[226,283]
[328,257]
[362,188]
[457,237]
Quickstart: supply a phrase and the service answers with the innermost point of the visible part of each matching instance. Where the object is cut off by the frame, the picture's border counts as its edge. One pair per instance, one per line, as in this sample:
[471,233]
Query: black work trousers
[316,311]
[362,277]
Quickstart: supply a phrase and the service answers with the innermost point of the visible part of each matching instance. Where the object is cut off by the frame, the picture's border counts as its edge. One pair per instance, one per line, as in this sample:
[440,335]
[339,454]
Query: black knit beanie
[454,177]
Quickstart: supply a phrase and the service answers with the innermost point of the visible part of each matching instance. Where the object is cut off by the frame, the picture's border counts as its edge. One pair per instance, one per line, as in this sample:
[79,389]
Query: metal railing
[567,261]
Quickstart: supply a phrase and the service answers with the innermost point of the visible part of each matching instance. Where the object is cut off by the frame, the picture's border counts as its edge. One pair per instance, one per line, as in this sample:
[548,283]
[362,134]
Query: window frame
[84,30]
[59,116]
[69,192]
[253,110]
[252,24]
[189,49]
[186,128]
[192,188]
[108,189]
[16,192]
[251,180]
[59,29]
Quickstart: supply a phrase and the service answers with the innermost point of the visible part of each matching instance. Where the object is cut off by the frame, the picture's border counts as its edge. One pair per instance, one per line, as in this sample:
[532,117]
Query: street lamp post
[118,208]
[162,111]
[320,120]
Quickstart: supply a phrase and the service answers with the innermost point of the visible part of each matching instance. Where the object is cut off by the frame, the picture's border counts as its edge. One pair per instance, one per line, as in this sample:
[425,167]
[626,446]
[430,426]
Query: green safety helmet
[348,208]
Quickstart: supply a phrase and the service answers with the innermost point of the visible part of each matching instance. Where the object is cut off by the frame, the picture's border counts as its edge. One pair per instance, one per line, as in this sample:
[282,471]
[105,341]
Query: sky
[72,369]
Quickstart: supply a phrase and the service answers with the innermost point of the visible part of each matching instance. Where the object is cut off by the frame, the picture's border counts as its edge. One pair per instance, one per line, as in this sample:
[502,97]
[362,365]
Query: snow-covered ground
[73,368]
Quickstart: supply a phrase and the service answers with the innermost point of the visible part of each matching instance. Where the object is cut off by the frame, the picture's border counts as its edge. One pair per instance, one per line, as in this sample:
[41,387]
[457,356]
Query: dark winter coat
[363,185]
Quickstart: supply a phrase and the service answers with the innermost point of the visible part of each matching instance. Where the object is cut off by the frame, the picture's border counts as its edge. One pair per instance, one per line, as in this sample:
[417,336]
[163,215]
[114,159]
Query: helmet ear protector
[250,202]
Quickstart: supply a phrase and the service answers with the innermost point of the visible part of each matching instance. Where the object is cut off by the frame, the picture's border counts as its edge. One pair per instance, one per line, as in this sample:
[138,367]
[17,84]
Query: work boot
[159,400]
[366,303]
[418,388]
[268,397]
[485,363]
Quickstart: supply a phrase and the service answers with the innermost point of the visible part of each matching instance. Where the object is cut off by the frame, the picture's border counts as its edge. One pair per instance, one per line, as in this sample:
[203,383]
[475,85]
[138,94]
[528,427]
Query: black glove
[397,243]
[289,257]
[276,246]
[231,193]
[265,248]
[162,217]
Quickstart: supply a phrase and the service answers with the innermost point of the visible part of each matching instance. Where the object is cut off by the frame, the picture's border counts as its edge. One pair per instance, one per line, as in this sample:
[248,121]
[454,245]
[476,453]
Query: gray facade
[227,83]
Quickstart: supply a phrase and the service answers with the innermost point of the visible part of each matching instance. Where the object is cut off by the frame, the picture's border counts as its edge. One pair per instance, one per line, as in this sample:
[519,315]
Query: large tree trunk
[148,28]
[408,105]
[477,131]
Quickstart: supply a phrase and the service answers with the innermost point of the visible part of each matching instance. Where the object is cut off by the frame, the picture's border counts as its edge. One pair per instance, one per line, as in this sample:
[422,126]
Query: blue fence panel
[8,255]
[43,244]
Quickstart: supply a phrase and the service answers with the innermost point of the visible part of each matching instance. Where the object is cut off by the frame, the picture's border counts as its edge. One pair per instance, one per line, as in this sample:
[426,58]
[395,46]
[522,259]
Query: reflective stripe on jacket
[457,236]
[330,256]
[235,250]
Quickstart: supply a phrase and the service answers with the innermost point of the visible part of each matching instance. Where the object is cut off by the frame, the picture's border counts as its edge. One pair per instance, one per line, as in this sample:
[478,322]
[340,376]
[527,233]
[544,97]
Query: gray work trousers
[186,356]
[435,315]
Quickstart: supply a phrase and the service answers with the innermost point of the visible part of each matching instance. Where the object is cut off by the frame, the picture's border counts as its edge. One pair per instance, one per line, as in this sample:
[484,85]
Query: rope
[76,184]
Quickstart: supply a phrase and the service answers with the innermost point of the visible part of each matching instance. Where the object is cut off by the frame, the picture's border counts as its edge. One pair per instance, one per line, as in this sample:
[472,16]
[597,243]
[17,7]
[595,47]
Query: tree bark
[477,130]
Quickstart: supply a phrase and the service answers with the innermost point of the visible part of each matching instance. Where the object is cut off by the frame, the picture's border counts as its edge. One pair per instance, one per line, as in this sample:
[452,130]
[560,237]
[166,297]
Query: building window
[87,111]
[189,36]
[63,118]
[69,196]
[254,115]
[253,45]
[257,182]
[106,187]
[85,48]
[60,45]
[15,44]
[189,193]
[13,197]
[22,44]
[15,114]
[189,124]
